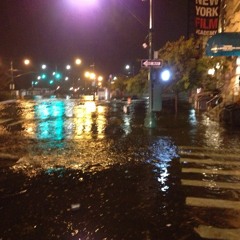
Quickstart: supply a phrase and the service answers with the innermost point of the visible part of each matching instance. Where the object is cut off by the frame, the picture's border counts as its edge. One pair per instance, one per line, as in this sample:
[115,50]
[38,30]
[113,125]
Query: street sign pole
[150,120]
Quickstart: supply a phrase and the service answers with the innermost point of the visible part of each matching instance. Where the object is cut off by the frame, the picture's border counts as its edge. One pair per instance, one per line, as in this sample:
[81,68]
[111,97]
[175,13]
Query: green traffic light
[51,81]
[58,75]
[43,76]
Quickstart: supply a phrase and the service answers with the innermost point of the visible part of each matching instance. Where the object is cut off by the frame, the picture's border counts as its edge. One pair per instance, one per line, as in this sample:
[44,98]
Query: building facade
[230,22]
[231,15]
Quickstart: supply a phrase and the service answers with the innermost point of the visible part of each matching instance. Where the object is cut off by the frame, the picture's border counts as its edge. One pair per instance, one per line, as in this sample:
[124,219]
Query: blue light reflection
[51,123]
[163,152]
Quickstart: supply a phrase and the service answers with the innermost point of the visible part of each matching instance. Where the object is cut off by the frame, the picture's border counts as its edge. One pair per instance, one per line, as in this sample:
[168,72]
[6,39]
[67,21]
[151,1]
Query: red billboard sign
[207,16]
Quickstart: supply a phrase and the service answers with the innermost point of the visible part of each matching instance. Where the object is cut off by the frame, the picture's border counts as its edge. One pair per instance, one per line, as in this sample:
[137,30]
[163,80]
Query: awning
[224,44]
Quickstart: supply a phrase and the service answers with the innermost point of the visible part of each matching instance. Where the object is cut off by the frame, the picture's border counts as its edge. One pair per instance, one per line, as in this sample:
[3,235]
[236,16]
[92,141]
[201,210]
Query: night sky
[109,34]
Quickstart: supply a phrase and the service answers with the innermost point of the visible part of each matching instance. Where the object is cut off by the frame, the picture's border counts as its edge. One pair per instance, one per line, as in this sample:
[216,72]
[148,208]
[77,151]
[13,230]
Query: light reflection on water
[55,120]
[192,128]
[212,135]
[163,152]
[86,131]
[63,119]
[55,123]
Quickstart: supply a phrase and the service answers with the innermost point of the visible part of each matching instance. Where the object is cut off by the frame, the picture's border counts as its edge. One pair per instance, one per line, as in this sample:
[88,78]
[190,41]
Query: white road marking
[210,232]
[212,203]
[211,171]
[209,161]
[211,184]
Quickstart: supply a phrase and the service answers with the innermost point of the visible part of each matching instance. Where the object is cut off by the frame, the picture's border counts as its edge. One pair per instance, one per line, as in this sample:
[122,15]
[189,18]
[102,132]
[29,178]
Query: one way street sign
[156,63]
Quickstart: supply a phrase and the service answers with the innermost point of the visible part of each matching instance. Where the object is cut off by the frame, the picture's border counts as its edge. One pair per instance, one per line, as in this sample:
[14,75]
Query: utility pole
[12,85]
[150,120]
[150,55]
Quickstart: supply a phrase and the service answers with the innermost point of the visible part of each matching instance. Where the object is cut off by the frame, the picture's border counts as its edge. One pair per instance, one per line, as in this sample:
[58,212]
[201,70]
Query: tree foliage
[190,66]
[134,85]
[138,84]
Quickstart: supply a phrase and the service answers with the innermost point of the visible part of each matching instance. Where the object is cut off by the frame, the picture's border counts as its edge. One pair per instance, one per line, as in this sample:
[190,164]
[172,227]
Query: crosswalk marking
[212,155]
[207,149]
[212,162]
[213,203]
[209,161]
[210,184]
[211,232]
[211,171]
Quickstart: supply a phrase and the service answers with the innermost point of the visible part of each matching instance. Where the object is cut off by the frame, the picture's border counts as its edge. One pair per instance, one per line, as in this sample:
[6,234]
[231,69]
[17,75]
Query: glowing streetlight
[92,76]
[12,70]
[127,67]
[82,3]
[165,75]
[44,66]
[78,61]
[100,78]
[68,67]
[26,61]
[87,74]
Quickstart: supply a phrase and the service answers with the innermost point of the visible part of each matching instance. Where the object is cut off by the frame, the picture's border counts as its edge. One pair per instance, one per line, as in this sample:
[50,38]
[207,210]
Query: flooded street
[90,171]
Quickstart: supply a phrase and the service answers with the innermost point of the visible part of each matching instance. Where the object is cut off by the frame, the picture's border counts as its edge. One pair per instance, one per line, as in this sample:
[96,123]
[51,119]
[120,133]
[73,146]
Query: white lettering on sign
[207,16]
[151,62]
[225,48]
[206,33]
[207,2]
[207,11]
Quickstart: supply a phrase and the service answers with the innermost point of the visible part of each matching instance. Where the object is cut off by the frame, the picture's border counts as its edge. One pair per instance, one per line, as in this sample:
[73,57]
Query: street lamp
[78,61]
[44,66]
[12,70]
[129,70]
[165,75]
[26,61]
[100,79]
[68,67]
[12,85]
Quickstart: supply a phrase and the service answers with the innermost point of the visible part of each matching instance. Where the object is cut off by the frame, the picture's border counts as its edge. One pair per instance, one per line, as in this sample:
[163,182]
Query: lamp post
[12,85]
[150,120]
[129,70]
[12,70]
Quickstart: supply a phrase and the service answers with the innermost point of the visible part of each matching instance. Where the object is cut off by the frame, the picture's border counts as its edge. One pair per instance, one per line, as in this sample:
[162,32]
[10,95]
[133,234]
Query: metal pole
[150,120]
[12,86]
[150,53]
[11,69]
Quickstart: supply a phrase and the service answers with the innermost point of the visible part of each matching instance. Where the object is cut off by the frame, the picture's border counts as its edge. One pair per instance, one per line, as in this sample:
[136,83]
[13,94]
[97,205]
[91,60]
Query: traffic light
[51,82]
[43,76]
[58,76]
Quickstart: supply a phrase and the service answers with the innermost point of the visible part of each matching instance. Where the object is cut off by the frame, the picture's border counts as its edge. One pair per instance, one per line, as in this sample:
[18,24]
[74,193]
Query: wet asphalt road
[87,171]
